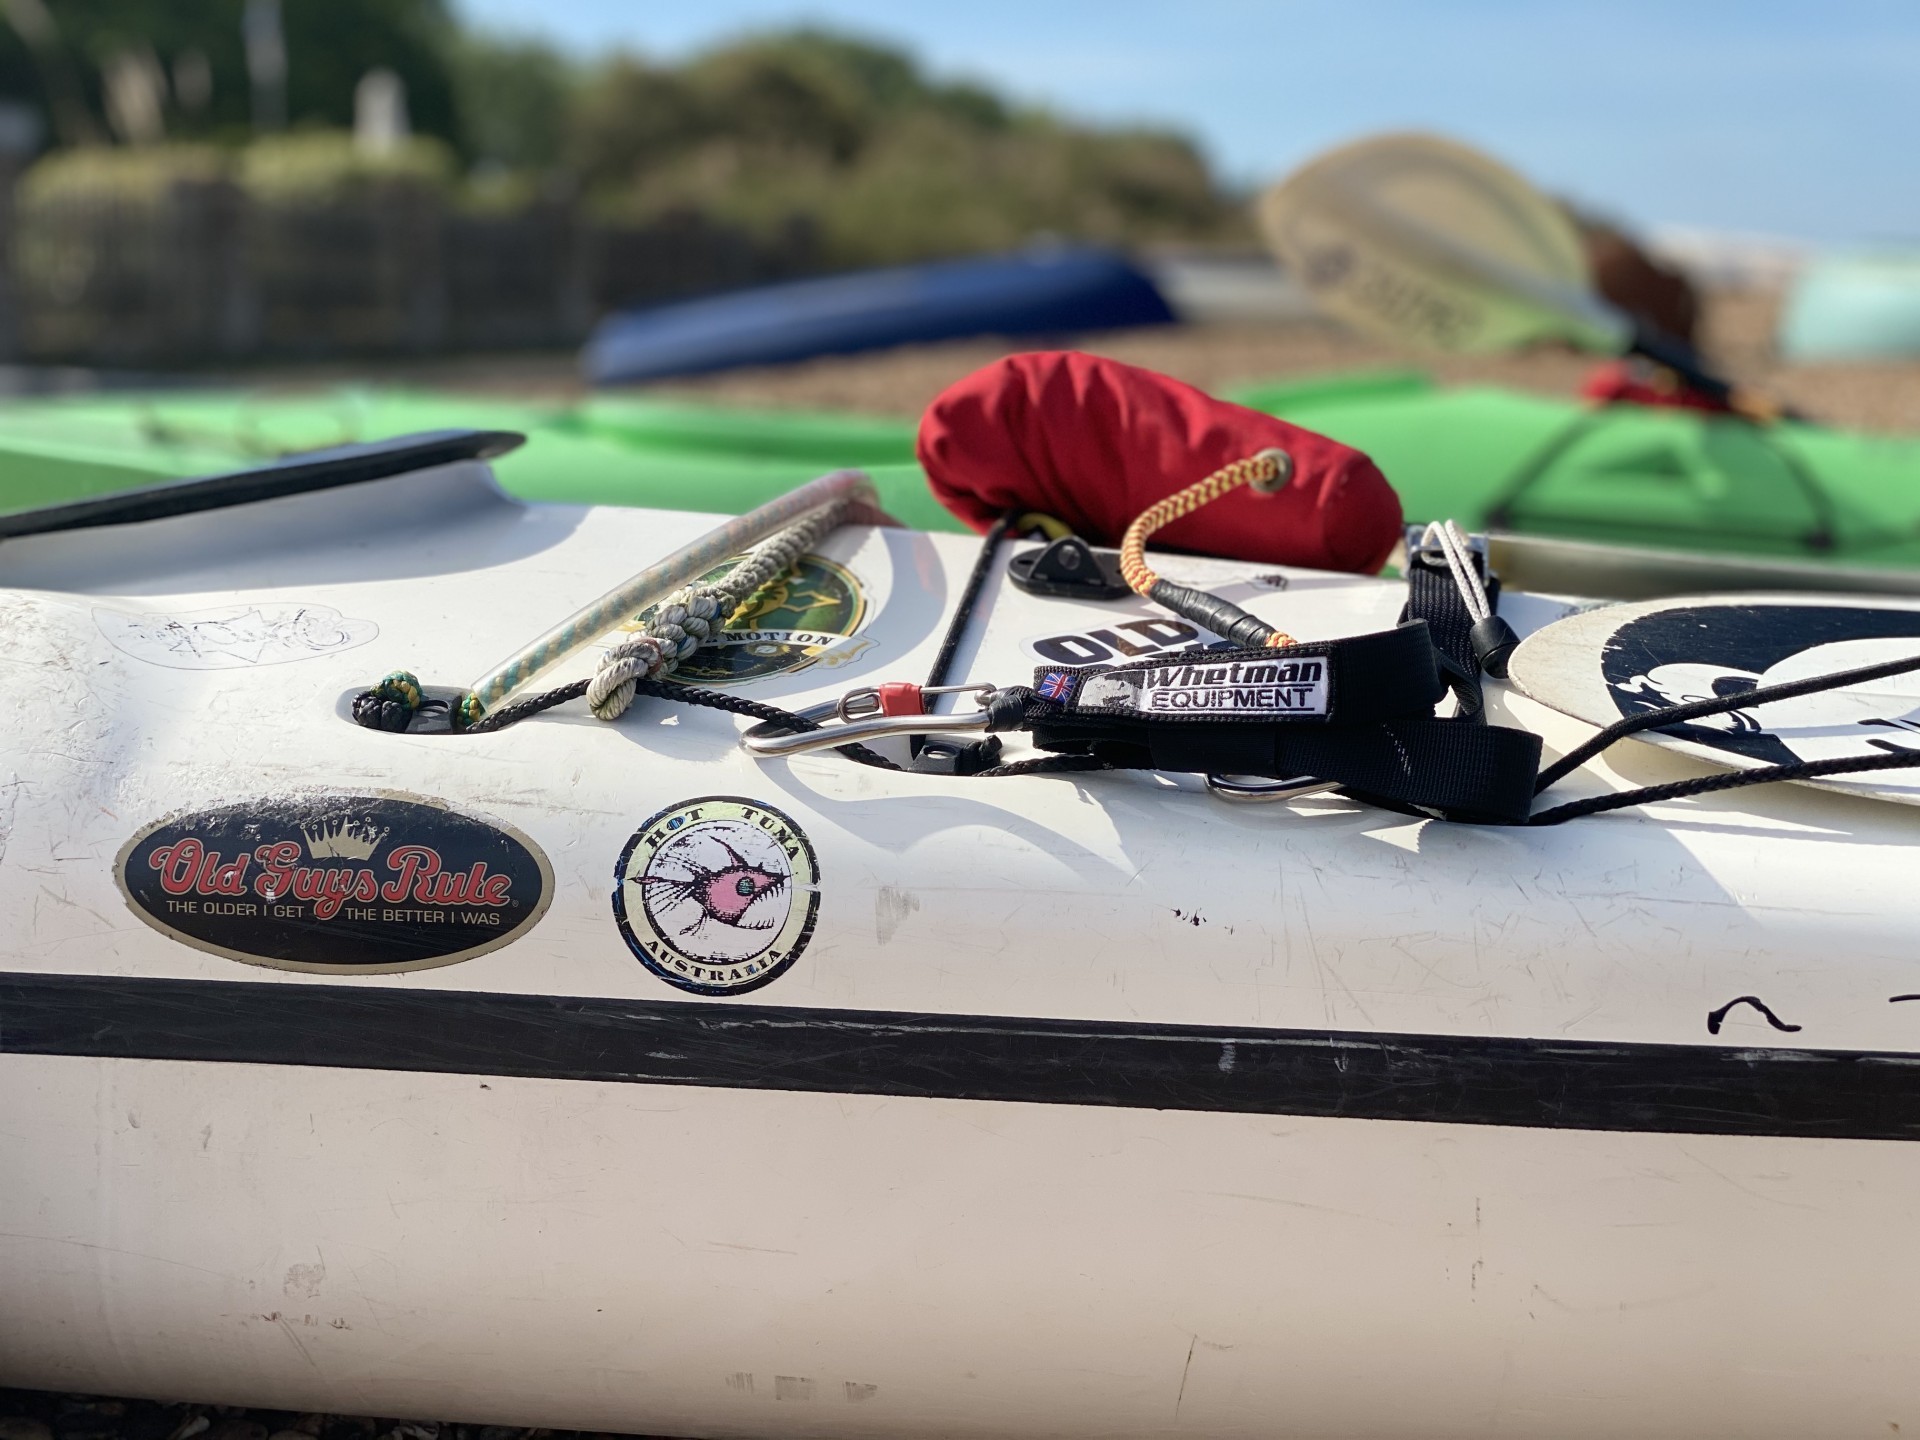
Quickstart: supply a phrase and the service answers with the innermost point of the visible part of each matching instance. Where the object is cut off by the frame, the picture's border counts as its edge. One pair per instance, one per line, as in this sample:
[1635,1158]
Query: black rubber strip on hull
[1462,1080]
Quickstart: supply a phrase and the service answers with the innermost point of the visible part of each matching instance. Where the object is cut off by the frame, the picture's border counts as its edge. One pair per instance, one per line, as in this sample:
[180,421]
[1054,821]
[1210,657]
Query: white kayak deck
[1116,897]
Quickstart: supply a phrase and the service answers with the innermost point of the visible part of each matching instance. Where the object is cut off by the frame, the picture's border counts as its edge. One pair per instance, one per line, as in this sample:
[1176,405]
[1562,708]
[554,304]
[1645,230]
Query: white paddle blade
[1421,241]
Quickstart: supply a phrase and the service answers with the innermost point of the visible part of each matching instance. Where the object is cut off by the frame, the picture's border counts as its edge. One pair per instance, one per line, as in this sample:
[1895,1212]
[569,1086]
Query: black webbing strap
[1455,769]
[1451,768]
[1385,675]
[1368,726]
[1433,596]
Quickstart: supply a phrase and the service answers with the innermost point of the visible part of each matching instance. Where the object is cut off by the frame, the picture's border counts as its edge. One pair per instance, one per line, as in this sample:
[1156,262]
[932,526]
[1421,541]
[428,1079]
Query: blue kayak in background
[1052,291]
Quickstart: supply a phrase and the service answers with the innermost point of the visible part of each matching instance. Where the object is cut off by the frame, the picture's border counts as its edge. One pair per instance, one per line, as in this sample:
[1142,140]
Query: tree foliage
[514,101]
[806,131]
[854,141]
[330,44]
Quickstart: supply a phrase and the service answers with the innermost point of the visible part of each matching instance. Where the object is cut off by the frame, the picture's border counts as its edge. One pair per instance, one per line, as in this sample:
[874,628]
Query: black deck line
[1556,1084]
[297,475]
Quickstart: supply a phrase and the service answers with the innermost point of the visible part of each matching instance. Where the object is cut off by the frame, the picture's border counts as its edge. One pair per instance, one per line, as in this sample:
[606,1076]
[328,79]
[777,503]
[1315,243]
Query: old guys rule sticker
[336,884]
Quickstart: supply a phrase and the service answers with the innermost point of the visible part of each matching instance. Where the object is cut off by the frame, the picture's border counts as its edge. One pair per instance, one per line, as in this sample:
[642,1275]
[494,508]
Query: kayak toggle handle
[875,713]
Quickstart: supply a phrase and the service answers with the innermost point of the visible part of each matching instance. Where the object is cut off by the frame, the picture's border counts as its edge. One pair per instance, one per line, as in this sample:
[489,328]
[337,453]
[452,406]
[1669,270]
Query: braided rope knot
[695,615]
[390,705]
[680,624]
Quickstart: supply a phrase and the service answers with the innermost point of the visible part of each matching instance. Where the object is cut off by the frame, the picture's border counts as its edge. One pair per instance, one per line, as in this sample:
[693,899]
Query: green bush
[135,174]
[326,164]
[497,190]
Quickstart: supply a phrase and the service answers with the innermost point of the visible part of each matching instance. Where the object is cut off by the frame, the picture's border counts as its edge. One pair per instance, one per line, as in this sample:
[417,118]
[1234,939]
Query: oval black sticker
[336,884]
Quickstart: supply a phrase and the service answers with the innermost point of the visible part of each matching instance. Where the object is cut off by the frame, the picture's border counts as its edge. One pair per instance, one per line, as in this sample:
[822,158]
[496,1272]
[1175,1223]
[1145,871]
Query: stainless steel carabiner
[861,718]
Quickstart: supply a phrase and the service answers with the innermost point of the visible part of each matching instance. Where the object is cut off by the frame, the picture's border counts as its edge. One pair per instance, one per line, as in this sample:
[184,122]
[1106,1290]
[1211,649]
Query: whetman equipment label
[1243,689]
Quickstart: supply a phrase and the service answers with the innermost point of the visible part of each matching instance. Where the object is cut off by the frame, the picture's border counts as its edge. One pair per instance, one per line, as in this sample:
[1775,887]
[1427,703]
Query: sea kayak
[1853,307]
[614,1076]
[1047,290]
[1534,465]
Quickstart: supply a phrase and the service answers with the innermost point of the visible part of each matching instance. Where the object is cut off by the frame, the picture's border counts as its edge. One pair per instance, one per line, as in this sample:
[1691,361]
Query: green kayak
[601,452]
[1536,465]
[1528,464]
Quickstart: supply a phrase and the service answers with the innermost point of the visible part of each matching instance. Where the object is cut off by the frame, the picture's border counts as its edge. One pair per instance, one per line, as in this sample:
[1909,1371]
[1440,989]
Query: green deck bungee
[1537,464]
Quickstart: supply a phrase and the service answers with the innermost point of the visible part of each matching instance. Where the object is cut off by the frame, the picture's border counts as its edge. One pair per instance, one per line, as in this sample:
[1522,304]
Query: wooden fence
[206,273]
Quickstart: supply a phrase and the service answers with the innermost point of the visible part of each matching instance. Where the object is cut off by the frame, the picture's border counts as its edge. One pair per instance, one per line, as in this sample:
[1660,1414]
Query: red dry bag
[1094,442]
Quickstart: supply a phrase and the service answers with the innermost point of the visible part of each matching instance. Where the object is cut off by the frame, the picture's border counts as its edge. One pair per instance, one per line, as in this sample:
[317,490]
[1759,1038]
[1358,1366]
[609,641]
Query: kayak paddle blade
[1422,241]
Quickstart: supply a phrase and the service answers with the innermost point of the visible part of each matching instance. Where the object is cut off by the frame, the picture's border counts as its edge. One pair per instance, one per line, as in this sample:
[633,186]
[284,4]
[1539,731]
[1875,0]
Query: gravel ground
[1738,335]
[41,1415]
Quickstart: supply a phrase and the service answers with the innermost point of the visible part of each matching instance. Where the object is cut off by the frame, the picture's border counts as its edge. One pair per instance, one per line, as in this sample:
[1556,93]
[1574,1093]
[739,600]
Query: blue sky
[1797,119]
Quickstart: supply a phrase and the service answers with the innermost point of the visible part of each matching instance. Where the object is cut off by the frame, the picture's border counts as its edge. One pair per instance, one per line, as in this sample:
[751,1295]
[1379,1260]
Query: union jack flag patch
[1055,685]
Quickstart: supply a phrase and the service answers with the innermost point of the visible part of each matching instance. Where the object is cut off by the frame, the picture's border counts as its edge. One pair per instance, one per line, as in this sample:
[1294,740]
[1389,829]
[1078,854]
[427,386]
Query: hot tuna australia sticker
[336,884]
[807,616]
[717,895]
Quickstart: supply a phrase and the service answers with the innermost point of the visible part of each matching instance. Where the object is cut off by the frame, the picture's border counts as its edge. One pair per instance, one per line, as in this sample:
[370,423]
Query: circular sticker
[806,616]
[717,895]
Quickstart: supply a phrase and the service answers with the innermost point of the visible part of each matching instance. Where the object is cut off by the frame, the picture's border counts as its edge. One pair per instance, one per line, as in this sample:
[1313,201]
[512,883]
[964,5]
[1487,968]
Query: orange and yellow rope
[1266,471]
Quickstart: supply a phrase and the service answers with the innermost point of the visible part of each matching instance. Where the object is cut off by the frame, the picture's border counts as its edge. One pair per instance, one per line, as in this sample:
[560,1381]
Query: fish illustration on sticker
[718,895]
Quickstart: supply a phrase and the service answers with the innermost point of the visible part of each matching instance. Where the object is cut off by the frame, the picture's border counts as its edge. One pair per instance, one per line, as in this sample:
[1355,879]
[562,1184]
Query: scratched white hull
[696,1261]
[706,1259]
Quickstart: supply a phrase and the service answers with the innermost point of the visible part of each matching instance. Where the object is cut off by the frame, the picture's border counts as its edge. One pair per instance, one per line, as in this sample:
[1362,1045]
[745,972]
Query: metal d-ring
[1263,789]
